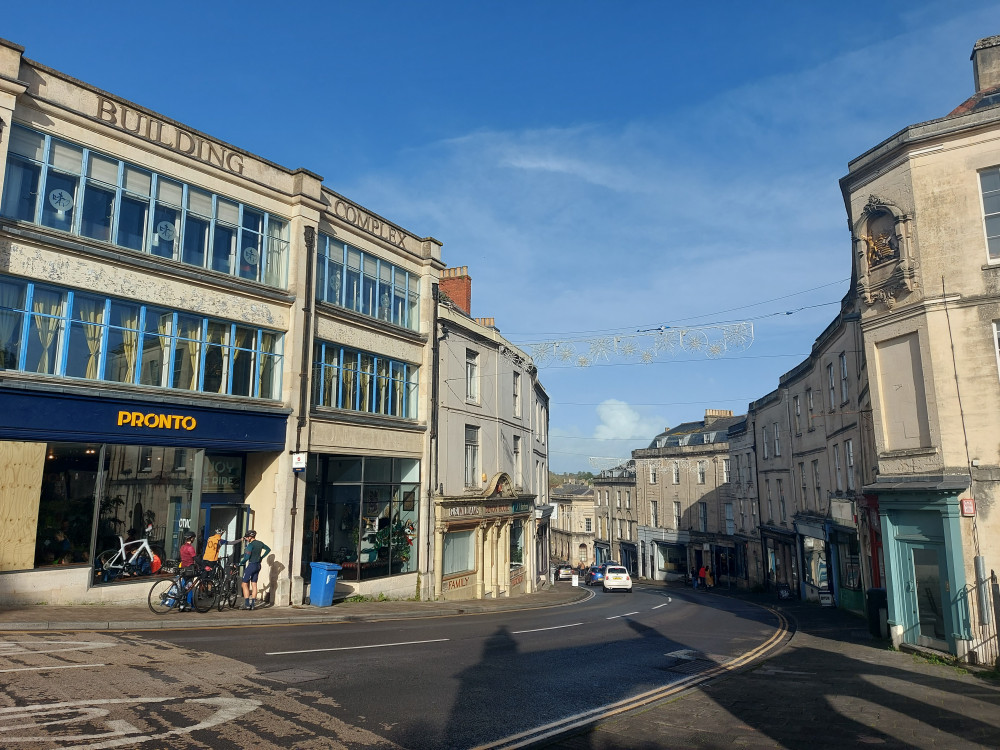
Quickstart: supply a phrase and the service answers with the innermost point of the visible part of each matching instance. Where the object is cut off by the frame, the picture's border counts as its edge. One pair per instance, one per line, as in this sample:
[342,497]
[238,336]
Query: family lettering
[175,138]
[156,421]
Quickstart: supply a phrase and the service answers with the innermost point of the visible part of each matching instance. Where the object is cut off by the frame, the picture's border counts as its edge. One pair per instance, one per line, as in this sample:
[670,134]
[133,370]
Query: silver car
[617,578]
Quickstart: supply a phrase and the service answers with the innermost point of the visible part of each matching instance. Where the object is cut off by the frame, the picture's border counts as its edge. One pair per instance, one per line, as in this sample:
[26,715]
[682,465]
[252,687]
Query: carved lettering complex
[172,137]
[368,223]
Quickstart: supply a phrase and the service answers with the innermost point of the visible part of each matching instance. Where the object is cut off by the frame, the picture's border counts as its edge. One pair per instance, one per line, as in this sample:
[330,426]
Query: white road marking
[120,732]
[45,669]
[352,648]
[661,605]
[13,648]
[627,614]
[538,630]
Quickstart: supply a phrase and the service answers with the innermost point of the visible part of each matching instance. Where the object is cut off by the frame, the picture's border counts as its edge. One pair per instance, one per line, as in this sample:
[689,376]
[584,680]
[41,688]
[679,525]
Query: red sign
[968,506]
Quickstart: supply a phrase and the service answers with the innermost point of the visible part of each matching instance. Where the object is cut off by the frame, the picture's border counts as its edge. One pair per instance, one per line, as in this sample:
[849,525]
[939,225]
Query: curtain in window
[10,300]
[46,305]
[365,382]
[276,247]
[130,340]
[91,313]
[347,372]
[192,352]
[331,355]
[164,322]
[382,387]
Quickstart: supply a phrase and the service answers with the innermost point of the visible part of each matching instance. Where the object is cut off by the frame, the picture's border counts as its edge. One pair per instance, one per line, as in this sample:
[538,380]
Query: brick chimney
[986,63]
[712,415]
[457,284]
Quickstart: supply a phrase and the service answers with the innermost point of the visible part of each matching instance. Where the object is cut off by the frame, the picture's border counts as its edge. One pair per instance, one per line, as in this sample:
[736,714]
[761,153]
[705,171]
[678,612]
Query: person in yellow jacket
[213,547]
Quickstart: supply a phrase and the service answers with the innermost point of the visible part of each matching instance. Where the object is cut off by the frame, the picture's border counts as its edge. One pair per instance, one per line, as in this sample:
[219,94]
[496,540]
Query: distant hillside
[580,477]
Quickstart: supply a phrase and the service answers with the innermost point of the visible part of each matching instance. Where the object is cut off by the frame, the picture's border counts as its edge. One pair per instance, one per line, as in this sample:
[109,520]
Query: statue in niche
[881,241]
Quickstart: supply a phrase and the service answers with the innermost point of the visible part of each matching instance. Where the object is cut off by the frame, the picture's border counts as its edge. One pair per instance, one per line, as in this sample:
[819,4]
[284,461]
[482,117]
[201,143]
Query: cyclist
[213,547]
[188,568]
[253,553]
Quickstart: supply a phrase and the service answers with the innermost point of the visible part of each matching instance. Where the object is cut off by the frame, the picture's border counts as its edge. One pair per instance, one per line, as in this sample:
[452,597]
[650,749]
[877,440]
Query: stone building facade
[572,524]
[180,321]
[489,458]
[924,212]
[685,500]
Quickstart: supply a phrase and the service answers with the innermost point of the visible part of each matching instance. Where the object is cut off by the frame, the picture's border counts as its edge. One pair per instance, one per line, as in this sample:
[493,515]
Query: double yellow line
[603,713]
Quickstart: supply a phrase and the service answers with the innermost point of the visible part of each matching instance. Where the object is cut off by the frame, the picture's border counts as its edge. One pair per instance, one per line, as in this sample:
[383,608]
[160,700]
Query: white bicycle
[131,559]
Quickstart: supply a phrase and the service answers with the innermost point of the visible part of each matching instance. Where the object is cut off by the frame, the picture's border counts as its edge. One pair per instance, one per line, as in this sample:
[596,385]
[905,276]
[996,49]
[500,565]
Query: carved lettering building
[178,317]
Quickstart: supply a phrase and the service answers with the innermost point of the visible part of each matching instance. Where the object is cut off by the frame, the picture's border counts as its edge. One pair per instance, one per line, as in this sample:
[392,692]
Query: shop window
[55,500]
[849,555]
[363,515]
[814,564]
[459,552]
[516,543]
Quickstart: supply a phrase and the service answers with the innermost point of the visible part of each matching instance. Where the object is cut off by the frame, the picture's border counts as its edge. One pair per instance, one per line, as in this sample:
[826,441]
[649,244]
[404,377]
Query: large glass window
[362,514]
[64,332]
[359,281]
[66,187]
[989,180]
[78,503]
[459,552]
[359,381]
[517,543]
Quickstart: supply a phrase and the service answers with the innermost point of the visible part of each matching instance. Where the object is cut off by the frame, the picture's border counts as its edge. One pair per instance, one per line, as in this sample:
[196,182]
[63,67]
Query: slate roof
[697,433]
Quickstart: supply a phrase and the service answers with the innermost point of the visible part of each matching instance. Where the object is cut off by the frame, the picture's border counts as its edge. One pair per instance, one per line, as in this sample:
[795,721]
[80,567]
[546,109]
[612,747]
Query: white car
[617,577]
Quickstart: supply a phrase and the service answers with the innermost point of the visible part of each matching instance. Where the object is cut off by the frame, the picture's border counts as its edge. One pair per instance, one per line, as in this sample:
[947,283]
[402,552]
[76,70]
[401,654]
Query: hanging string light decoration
[646,346]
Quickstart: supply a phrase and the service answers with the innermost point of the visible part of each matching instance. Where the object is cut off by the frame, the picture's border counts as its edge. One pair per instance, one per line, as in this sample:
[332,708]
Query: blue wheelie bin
[324,581]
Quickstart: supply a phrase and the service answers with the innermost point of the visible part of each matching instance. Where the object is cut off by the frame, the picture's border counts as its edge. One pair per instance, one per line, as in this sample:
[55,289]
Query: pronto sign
[157,421]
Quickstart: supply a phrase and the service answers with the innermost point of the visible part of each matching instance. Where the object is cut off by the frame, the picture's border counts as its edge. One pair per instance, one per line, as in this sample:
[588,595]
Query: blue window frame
[63,186]
[350,278]
[359,381]
[69,333]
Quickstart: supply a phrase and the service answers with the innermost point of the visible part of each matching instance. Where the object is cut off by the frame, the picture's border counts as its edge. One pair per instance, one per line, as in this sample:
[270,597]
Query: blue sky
[601,168]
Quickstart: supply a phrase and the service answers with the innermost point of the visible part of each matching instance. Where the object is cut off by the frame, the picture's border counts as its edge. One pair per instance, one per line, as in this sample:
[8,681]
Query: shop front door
[926,600]
[233,518]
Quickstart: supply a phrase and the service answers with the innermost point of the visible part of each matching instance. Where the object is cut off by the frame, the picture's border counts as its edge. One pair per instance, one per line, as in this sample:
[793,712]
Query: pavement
[831,684]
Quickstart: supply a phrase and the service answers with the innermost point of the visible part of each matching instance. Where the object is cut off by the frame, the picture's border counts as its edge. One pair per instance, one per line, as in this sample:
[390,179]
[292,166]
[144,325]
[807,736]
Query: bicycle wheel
[165,596]
[204,595]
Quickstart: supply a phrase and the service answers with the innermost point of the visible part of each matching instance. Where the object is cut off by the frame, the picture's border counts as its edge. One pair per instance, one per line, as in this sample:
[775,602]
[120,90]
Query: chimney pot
[986,63]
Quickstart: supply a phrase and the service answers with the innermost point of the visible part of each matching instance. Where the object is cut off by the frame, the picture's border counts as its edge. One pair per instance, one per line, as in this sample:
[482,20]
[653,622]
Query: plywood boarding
[21,466]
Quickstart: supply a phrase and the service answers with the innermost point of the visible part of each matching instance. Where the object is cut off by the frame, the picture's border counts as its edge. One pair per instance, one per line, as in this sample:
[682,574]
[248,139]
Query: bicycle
[229,586]
[171,594]
[135,558]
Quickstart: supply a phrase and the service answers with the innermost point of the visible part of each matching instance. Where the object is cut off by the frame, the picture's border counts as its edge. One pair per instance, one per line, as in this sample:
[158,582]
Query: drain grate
[690,666]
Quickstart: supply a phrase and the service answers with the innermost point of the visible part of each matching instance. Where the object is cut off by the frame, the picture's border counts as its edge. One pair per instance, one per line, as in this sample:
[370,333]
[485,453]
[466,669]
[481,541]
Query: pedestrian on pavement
[253,553]
[702,576]
[709,578]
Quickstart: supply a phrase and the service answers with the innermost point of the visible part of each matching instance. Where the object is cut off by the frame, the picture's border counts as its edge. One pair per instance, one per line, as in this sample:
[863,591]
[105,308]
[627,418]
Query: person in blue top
[253,553]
